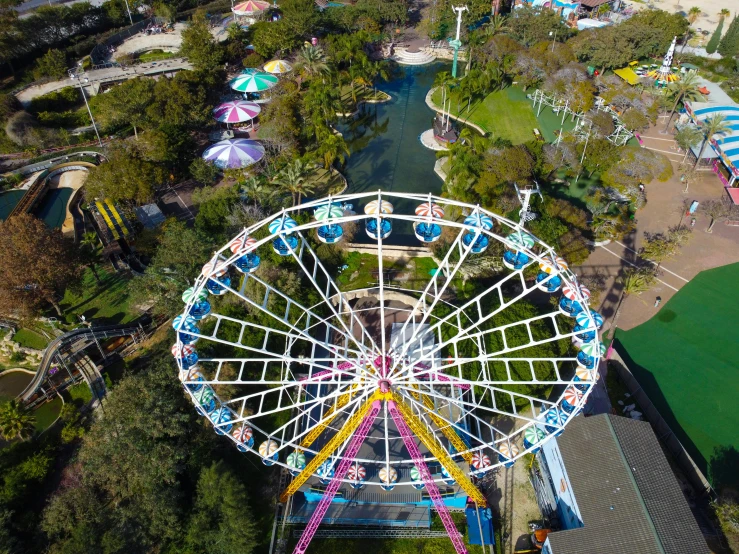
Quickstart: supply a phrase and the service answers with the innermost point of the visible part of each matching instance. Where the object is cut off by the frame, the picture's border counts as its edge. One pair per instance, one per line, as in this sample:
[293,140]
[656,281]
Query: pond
[52,209]
[12,383]
[386,152]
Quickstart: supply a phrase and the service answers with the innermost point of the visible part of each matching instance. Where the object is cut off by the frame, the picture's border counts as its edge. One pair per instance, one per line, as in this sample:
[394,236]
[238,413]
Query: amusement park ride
[428,378]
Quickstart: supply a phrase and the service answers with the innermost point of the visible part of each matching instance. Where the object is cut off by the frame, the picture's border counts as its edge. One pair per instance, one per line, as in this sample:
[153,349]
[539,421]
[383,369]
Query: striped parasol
[184,323]
[214,268]
[376,207]
[555,417]
[549,265]
[190,294]
[326,470]
[429,209]
[192,374]
[533,435]
[253,82]
[480,460]
[282,225]
[523,240]
[242,244]
[569,292]
[356,472]
[328,211]
[220,417]
[243,434]
[445,473]
[277,66]
[236,111]
[250,7]
[584,374]
[572,396]
[479,220]
[180,350]
[267,449]
[584,321]
[388,476]
[205,396]
[508,450]
[593,349]
[234,153]
[296,459]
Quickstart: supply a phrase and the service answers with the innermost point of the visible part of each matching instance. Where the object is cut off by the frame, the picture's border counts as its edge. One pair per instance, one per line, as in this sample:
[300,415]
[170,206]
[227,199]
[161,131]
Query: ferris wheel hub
[384,385]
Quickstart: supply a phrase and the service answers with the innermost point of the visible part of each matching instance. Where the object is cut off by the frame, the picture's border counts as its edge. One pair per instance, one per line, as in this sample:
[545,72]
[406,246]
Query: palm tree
[254,189]
[722,14]
[15,421]
[292,179]
[89,246]
[497,25]
[635,281]
[444,80]
[311,60]
[693,14]
[716,125]
[684,89]
[688,137]
[332,148]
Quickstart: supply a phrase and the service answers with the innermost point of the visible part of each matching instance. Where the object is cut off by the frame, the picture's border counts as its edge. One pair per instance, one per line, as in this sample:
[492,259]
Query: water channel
[386,152]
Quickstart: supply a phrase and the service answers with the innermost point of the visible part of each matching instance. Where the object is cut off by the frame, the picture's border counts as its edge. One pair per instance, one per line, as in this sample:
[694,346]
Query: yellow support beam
[420,430]
[443,426]
[329,416]
[346,431]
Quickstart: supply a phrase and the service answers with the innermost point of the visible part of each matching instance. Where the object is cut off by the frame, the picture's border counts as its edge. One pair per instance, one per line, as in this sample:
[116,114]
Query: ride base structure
[390,400]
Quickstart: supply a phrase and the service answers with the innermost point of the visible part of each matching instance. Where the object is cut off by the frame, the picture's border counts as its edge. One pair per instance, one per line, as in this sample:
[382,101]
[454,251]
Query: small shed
[150,216]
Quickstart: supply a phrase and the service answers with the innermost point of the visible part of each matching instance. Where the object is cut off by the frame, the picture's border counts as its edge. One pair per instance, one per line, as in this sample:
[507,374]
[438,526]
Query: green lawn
[47,413]
[686,359]
[324,182]
[30,339]
[155,55]
[107,301]
[508,114]
[80,394]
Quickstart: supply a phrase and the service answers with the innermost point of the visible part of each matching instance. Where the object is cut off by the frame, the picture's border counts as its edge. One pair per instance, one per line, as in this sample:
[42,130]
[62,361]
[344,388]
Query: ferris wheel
[367,383]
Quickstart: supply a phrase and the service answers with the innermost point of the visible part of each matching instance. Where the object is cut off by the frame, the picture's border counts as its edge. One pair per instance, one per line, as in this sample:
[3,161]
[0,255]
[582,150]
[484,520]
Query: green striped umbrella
[253,82]
[593,349]
[415,474]
[533,434]
[328,211]
[189,294]
[521,239]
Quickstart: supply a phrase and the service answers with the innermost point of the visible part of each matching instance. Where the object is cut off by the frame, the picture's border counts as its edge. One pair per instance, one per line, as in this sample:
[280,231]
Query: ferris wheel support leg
[351,451]
[344,433]
[407,435]
[449,433]
[439,453]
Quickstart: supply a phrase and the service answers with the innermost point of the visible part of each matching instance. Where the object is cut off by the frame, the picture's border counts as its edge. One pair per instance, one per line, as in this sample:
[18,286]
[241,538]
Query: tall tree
[715,39]
[292,179]
[126,103]
[199,46]
[688,137]
[89,244]
[717,210]
[36,265]
[684,89]
[15,421]
[729,46]
[715,125]
[634,281]
[332,148]
[311,61]
[222,522]
[125,176]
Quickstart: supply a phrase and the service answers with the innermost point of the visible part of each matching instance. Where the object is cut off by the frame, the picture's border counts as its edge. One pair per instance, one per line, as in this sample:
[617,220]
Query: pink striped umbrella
[180,350]
[356,472]
[569,292]
[480,460]
[241,245]
[236,111]
[214,268]
[572,396]
[250,7]
[243,433]
[430,209]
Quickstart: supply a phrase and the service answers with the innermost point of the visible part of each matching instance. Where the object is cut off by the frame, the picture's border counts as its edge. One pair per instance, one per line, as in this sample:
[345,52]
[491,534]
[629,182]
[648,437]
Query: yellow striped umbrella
[277,66]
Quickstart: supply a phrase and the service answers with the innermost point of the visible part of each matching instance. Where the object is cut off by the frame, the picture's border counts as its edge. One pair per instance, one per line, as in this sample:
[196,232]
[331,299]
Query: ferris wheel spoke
[326,297]
[437,292]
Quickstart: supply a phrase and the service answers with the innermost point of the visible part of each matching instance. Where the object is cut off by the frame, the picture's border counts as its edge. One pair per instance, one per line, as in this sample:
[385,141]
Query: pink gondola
[480,461]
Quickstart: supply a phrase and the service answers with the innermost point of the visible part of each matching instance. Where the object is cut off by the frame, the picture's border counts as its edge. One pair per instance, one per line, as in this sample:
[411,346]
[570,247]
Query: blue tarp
[477,535]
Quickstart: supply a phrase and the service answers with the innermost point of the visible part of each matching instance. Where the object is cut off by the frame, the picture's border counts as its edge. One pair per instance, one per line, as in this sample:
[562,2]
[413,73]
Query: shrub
[253,60]
[17,357]
[20,128]
[57,101]
[53,64]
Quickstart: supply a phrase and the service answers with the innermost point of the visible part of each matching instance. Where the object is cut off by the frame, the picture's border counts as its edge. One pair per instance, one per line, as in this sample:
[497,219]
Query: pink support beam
[407,435]
[351,451]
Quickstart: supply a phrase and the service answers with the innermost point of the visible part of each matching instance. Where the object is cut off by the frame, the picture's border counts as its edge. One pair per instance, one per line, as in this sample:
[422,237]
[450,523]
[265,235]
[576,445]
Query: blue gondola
[568,307]
[554,416]
[194,375]
[330,234]
[532,438]
[427,232]
[218,286]
[447,478]
[584,360]
[206,400]
[326,472]
[187,338]
[189,360]
[515,260]
[199,310]
[580,385]
[552,285]
[585,336]
[386,227]
[247,263]
[284,245]
[221,419]
[480,244]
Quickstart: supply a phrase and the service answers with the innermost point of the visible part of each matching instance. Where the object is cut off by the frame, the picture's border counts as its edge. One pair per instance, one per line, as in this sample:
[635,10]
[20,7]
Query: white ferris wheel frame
[482,436]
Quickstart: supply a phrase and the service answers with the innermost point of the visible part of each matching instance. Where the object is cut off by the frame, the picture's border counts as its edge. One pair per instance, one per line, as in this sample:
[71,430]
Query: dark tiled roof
[639,511]
[593,3]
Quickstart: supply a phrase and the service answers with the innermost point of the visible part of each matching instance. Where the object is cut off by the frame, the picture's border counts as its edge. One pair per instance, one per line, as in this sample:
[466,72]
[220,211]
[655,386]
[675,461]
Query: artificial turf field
[686,358]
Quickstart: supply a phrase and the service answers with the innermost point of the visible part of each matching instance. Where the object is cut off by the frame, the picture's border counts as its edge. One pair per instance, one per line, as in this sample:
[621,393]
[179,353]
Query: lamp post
[554,39]
[76,76]
[456,43]
[128,8]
